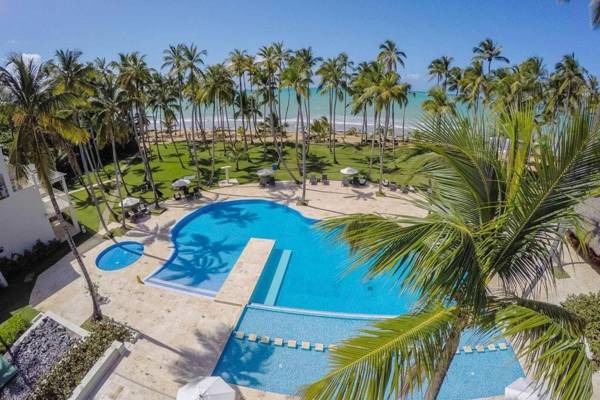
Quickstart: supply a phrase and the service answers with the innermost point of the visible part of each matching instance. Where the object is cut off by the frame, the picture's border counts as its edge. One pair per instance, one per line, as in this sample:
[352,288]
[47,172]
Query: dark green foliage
[587,306]
[11,329]
[63,378]
[17,262]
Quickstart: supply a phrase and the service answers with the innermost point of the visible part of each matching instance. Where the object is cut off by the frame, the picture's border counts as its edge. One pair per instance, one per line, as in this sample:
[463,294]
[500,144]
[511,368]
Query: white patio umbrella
[129,202]
[264,172]
[179,183]
[349,171]
[206,388]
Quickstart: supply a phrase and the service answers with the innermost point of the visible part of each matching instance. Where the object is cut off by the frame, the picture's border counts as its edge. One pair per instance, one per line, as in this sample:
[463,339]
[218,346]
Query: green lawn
[320,161]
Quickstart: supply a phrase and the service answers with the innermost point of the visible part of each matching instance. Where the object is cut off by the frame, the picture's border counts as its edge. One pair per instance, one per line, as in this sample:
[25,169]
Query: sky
[424,29]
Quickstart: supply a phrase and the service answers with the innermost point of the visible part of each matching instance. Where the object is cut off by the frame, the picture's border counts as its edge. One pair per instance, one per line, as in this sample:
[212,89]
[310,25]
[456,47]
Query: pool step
[284,261]
[320,347]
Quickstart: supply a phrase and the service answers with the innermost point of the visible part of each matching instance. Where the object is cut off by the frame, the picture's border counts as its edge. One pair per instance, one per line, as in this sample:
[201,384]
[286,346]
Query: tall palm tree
[134,77]
[346,65]
[332,79]
[489,51]
[438,103]
[108,104]
[38,104]
[569,77]
[390,56]
[473,260]
[310,61]
[238,63]
[440,70]
[474,84]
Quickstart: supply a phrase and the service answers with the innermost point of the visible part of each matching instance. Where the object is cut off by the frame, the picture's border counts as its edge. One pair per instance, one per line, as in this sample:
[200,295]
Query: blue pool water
[209,241]
[284,370]
[119,255]
[311,296]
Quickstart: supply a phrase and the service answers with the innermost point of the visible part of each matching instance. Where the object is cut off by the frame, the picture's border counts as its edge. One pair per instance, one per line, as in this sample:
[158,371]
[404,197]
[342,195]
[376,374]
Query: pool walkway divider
[239,285]
[278,277]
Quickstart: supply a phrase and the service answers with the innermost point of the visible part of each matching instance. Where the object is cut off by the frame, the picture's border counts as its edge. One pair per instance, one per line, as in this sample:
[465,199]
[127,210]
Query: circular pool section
[119,255]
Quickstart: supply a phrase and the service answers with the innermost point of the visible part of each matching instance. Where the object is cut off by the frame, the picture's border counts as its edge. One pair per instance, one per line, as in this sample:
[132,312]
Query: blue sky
[424,29]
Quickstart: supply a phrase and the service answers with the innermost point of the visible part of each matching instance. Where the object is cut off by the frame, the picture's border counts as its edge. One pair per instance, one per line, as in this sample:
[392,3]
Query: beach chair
[252,337]
[354,181]
[278,341]
[404,189]
[305,346]
[262,181]
[393,186]
[324,179]
[385,183]
[345,182]
[265,339]
[313,180]
[197,193]
[271,181]
[319,347]
[177,196]
[291,343]
[240,335]
[362,181]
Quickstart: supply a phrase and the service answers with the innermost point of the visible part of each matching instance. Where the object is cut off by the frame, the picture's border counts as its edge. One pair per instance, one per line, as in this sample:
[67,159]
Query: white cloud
[413,77]
[12,41]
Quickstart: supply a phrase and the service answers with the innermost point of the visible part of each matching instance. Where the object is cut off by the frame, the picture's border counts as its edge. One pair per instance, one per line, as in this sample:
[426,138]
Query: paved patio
[183,335]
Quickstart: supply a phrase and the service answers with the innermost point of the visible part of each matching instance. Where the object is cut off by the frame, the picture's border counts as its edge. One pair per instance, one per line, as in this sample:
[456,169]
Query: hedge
[587,306]
[60,381]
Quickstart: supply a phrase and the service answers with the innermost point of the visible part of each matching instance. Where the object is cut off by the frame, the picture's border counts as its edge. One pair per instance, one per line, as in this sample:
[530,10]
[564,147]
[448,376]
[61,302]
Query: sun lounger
[278,341]
[240,335]
[345,182]
[393,186]
[271,181]
[262,181]
[305,346]
[265,339]
[291,343]
[405,189]
[468,349]
[252,337]
[319,347]
[362,181]
[313,180]
[502,346]
[385,183]
[324,179]
[491,347]
[480,348]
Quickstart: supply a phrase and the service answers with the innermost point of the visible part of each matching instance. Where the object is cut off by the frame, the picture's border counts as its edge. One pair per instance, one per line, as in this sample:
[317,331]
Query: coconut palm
[390,56]
[134,77]
[346,65]
[37,116]
[569,77]
[440,70]
[238,64]
[489,51]
[474,84]
[438,103]
[310,61]
[108,104]
[332,80]
[483,248]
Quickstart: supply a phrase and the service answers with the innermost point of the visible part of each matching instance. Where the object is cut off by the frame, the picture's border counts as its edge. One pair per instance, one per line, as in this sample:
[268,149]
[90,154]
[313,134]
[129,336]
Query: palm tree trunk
[278,148]
[373,141]
[195,158]
[96,312]
[84,161]
[303,150]
[242,98]
[156,137]
[382,140]
[445,359]
[180,100]
[118,177]
[147,166]
[212,145]
[335,94]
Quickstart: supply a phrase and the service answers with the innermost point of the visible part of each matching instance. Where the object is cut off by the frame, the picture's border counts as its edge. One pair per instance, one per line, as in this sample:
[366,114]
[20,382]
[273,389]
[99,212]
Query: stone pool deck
[182,335]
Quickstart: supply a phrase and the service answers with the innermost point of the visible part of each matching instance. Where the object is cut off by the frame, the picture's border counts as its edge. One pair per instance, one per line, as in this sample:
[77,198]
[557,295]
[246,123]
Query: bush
[60,381]
[587,306]
[12,328]
[18,262]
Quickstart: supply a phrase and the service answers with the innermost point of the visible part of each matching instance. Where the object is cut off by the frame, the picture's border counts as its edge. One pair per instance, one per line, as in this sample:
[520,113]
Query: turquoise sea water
[319,106]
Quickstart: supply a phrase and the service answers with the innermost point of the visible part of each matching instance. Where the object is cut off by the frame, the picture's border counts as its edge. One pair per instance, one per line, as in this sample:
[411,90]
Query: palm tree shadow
[234,215]
[360,195]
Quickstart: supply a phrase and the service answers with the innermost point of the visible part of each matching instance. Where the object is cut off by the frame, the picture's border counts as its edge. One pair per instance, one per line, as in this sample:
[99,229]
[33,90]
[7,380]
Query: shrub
[60,381]
[12,328]
[587,306]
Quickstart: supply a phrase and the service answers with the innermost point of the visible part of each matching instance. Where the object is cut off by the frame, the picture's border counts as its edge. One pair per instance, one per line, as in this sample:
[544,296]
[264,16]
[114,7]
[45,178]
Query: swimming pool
[119,255]
[209,241]
[304,293]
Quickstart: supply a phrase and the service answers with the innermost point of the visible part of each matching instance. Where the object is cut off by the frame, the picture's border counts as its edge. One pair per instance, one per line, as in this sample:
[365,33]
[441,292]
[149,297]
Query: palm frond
[384,359]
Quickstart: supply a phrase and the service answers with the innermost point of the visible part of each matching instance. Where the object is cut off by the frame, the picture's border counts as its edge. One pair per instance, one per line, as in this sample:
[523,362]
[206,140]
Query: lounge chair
[393,186]
[271,181]
[404,189]
[291,343]
[468,349]
[354,181]
[324,179]
[385,183]
[313,180]
[502,346]
[240,335]
[197,193]
[305,346]
[265,339]
[177,196]
[278,341]
[345,182]
[491,347]
[252,337]
[479,348]
[362,181]
[262,181]
[319,347]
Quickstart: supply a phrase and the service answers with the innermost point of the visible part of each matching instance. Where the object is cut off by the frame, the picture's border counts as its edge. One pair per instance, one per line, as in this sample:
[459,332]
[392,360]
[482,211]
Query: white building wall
[22,218]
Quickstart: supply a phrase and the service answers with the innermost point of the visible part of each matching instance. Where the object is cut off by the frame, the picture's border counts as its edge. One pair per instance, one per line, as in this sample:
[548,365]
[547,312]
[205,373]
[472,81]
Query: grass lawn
[319,161]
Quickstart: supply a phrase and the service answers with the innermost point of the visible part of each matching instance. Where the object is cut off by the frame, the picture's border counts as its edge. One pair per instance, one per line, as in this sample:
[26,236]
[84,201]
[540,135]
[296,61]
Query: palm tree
[489,51]
[473,84]
[440,70]
[109,102]
[134,77]
[310,61]
[437,103]
[345,65]
[238,65]
[569,77]
[332,79]
[473,260]
[38,104]
[390,56]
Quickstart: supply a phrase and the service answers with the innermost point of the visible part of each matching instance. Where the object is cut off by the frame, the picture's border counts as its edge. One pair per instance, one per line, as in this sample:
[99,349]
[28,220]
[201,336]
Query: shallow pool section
[119,255]
[306,270]
[283,370]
